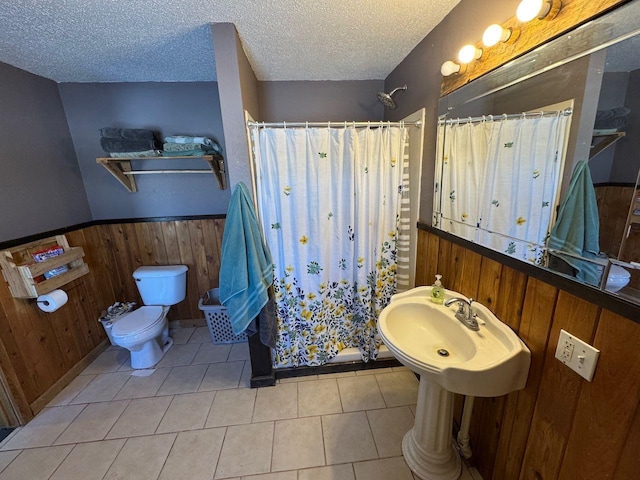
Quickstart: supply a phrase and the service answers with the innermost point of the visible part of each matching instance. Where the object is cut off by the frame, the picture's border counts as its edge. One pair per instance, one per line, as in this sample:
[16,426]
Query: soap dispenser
[437,291]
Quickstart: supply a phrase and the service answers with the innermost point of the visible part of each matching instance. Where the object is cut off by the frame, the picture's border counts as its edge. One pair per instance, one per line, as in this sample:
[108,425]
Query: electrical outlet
[577,355]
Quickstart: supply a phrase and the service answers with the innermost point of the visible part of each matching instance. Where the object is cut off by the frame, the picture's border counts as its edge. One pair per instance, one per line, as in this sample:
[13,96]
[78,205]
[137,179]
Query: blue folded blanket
[128,133]
[185,139]
[612,119]
[119,145]
[181,147]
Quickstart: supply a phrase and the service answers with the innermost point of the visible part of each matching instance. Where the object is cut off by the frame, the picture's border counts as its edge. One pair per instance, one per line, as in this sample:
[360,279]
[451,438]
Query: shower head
[387,98]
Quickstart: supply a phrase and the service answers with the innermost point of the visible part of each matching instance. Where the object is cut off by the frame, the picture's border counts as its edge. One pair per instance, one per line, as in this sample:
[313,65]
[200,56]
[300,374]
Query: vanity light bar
[494,34]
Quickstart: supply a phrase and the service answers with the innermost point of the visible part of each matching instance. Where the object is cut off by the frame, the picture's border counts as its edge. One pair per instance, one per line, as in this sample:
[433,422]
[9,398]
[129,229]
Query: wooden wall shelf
[20,270]
[120,168]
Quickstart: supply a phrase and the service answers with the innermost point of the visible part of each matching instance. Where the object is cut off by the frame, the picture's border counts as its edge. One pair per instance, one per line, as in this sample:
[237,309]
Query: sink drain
[442,352]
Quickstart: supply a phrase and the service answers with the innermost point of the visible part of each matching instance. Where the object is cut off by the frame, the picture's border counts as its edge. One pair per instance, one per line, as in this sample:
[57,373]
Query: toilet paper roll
[52,301]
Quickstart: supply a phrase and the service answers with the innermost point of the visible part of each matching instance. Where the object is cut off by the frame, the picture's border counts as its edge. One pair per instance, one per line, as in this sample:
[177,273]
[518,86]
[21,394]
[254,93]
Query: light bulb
[530,9]
[494,34]
[469,53]
[449,68]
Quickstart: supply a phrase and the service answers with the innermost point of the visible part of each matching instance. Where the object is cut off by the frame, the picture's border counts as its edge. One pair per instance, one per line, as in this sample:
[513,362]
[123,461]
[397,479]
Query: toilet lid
[137,321]
[617,272]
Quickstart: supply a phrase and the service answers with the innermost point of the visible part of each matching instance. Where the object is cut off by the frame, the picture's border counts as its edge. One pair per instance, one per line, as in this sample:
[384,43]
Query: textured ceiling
[170,40]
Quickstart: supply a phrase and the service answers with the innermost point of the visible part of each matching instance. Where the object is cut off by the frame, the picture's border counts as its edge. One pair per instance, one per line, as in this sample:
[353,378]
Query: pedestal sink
[450,358]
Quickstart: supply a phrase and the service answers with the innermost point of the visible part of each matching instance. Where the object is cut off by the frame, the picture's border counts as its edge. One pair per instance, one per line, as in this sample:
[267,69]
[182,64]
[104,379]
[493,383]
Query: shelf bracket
[216,164]
[609,139]
[117,168]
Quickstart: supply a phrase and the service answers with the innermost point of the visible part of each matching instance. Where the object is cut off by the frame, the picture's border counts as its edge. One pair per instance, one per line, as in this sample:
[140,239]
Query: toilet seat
[618,273]
[138,321]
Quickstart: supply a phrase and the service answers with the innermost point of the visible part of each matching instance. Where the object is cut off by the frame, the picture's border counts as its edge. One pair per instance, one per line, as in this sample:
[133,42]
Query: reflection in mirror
[558,190]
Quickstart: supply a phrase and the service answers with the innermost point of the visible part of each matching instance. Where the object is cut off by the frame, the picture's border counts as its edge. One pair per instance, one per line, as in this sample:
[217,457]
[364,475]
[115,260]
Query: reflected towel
[181,147]
[246,270]
[577,229]
[128,133]
[121,145]
[188,139]
[185,139]
[185,153]
[146,153]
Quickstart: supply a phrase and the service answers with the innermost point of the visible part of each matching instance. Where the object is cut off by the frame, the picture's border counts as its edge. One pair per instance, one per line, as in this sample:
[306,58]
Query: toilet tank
[161,284]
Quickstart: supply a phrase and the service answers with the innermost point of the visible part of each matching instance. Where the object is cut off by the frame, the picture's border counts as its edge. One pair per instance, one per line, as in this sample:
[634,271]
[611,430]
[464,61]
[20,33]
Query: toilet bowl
[618,278]
[145,331]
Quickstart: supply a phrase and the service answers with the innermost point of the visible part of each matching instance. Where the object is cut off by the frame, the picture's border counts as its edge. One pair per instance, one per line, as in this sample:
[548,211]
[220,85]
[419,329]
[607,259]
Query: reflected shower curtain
[329,202]
[502,179]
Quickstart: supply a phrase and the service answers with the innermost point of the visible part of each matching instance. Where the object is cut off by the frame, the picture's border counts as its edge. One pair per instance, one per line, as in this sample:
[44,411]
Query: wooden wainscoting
[613,208]
[560,426]
[41,352]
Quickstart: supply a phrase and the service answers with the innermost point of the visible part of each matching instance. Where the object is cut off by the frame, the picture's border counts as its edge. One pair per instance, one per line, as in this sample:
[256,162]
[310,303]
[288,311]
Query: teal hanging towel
[577,230]
[246,270]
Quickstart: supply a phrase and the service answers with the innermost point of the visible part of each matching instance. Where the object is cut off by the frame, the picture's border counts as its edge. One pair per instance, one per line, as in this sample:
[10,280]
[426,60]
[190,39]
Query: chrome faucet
[465,312]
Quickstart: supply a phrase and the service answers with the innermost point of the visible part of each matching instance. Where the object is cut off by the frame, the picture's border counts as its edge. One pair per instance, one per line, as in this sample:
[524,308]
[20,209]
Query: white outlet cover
[579,356]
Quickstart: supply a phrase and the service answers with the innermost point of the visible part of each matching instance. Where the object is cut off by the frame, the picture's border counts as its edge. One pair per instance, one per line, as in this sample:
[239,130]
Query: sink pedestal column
[427,447]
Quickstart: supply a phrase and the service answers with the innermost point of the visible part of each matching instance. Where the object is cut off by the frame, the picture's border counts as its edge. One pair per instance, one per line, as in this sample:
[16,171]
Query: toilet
[145,331]
[617,279]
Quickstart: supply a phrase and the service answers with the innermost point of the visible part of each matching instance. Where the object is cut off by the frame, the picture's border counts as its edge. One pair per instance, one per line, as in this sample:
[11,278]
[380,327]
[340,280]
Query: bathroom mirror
[573,100]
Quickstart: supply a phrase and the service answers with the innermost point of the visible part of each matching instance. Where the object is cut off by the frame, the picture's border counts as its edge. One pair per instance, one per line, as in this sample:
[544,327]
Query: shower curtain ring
[284,125]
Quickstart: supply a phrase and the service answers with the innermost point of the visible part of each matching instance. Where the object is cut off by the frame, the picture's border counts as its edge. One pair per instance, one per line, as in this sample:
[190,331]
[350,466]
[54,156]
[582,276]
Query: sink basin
[428,339]
[450,358]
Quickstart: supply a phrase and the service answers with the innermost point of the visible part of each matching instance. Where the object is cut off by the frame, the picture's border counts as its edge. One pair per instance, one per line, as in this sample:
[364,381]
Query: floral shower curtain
[329,201]
[500,182]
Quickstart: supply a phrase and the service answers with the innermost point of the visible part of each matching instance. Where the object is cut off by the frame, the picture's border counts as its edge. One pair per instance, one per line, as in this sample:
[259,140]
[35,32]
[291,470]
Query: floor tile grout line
[62,461]
[384,400]
[65,428]
[119,416]
[114,458]
[375,443]
[224,437]
[164,463]
[13,460]
[155,432]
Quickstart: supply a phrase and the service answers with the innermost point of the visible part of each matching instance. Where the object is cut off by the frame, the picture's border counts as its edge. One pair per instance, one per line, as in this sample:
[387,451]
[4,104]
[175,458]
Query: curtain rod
[441,121]
[331,124]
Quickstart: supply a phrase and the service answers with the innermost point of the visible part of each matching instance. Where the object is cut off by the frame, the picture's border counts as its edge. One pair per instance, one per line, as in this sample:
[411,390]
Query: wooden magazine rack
[21,271]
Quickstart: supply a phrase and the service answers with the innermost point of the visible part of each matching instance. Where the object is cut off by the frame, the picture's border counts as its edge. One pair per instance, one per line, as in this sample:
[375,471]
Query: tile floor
[195,418]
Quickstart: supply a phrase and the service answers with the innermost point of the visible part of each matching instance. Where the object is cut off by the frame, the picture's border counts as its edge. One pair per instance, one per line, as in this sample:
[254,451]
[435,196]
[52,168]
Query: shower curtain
[329,200]
[500,181]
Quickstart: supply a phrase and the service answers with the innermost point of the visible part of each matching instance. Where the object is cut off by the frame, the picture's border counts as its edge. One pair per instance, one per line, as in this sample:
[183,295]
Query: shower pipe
[441,121]
[331,124]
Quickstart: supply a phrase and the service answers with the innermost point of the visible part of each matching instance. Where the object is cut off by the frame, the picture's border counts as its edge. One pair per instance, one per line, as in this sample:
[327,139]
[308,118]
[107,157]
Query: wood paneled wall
[613,208]
[560,426]
[38,349]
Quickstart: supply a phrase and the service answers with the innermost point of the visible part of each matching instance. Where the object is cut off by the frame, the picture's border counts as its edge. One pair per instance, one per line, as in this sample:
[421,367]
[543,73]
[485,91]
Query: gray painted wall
[420,70]
[627,158]
[40,185]
[321,101]
[167,108]
[238,92]
[612,95]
